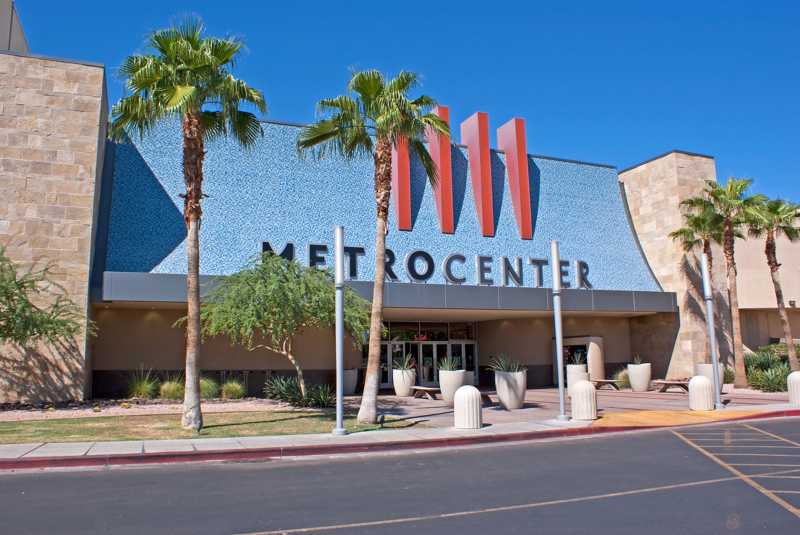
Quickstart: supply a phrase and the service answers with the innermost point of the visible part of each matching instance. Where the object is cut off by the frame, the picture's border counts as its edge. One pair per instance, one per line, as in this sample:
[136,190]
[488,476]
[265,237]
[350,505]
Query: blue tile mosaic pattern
[269,193]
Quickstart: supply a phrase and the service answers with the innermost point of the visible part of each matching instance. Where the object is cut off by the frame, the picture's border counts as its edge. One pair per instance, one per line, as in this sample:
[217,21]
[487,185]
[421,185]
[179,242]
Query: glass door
[466,352]
[389,352]
[427,364]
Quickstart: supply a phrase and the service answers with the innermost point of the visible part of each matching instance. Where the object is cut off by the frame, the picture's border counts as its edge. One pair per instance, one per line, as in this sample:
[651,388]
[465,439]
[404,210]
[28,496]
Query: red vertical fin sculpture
[401,184]
[439,148]
[511,140]
[475,135]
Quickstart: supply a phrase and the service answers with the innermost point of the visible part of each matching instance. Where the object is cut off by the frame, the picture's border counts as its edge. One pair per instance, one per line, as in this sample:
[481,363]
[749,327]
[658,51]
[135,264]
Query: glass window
[462,331]
[431,332]
[403,331]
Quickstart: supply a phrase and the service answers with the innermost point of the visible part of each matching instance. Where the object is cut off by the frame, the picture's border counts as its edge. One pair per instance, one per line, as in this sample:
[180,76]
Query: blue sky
[612,82]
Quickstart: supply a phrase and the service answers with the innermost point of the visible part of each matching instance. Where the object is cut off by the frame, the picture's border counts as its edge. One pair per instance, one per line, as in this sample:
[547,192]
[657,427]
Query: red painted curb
[267,454]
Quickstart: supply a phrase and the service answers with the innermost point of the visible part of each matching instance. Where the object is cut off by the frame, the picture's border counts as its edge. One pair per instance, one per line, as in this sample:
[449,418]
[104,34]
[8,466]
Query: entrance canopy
[460,299]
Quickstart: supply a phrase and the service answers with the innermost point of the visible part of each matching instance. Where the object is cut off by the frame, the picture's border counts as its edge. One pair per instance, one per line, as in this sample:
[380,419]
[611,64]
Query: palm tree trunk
[740,375]
[368,411]
[774,267]
[193,153]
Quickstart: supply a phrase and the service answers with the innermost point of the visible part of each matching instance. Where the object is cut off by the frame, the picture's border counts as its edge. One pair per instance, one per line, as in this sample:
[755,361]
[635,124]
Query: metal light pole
[708,296]
[555,269]
[339,282]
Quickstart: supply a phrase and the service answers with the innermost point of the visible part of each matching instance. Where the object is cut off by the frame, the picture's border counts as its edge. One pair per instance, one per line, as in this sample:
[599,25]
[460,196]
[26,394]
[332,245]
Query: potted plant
[404,375]
[350,381]
[510,381]
[451,378]
[639,374]
[576,371]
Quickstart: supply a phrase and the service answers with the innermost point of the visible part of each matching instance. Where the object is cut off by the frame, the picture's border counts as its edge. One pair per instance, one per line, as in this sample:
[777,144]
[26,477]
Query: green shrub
[622,379]
[320,396]
[233,389]
[728,376]
[209,388]
[770,380]
[172,388]
[287,389]
[142,384]
[762,360]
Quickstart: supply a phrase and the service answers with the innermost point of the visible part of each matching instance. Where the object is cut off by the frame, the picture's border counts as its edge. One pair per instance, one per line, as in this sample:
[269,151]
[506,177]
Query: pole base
[719,406]
[562,417]
[339,431]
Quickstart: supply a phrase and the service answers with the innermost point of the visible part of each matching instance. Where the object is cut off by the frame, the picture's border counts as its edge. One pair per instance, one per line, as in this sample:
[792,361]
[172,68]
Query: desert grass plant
[232,389]
[450,364]
[622,379]
[171,388]
[209,388]
[503,363]
[728,376]
[772,379]
[142,384]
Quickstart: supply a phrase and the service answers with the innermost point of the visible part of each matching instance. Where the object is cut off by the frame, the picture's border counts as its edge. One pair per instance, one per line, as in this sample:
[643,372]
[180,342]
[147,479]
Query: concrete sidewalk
[52,454]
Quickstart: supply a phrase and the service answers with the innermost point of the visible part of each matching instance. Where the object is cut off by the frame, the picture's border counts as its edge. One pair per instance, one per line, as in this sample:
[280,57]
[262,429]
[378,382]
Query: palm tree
[731,203]
[702,227]
[373,117]
[771,219]
[186,76]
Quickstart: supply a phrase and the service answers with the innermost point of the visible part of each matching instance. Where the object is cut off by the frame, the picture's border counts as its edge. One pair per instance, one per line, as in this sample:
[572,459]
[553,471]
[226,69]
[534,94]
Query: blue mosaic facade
[269,193]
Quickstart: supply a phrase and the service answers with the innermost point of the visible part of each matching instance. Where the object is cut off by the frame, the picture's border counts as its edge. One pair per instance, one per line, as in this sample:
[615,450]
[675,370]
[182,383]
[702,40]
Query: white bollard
[701,394]
[793,385]
[467,410]
[574,378]
[584,401]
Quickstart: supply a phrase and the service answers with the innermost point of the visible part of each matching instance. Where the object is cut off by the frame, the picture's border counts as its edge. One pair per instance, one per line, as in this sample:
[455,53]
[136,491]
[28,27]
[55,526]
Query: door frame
[463,344]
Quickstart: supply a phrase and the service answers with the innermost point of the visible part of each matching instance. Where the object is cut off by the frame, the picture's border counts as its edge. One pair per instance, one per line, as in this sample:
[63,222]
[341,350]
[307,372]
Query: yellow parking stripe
[777,437]
[747,479]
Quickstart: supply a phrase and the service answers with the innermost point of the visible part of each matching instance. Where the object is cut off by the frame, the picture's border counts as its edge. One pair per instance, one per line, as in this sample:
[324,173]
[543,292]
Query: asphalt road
[734,478]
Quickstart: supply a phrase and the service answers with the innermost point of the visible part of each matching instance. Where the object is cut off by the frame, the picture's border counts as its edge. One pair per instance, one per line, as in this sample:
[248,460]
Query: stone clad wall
[52,134]
[654,191]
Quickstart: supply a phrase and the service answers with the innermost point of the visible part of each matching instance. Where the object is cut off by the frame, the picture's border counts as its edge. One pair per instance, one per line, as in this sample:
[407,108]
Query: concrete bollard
[584,401]
[467,410]
[793,384]
[701,394]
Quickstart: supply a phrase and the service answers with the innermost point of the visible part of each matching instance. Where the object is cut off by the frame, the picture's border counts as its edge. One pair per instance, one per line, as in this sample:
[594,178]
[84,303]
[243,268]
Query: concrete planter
[403,380]
[639,376]
[470,380]
[450,381]
[707,370]
[510,388]
[575,373]
[350,381]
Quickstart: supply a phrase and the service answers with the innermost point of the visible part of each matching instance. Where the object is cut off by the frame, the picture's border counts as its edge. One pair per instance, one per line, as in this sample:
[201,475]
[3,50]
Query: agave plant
[449,364]
[502,363]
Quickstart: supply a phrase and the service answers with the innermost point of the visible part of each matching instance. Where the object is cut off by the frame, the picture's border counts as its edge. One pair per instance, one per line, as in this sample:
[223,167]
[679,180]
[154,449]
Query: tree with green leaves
[731,203]
[35,308]
[374,116]
[186,77]
[770,219]
[270,302]
[702,227]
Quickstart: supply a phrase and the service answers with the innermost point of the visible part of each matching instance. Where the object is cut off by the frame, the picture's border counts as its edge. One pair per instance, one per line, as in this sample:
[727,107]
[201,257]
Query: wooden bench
[600,383]
[427,391]
[666,385]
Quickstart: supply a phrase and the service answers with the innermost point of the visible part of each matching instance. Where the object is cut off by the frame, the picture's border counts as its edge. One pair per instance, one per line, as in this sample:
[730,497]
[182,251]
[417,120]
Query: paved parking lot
[728,478]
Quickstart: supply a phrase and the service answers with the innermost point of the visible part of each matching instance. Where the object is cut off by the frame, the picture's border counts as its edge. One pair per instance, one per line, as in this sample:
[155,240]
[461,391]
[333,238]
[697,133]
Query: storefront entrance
[428,344]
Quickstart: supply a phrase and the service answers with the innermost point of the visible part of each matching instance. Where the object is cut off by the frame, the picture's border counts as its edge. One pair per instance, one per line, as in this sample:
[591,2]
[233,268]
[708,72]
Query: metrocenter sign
[420,266]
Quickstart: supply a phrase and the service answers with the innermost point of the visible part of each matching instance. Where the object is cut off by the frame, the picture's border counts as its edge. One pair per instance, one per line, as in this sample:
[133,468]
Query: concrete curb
[275,453]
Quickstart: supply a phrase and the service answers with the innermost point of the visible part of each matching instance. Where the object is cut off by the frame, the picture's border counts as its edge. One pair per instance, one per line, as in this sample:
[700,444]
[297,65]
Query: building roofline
[674,151]
[49,58]
[540,156]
